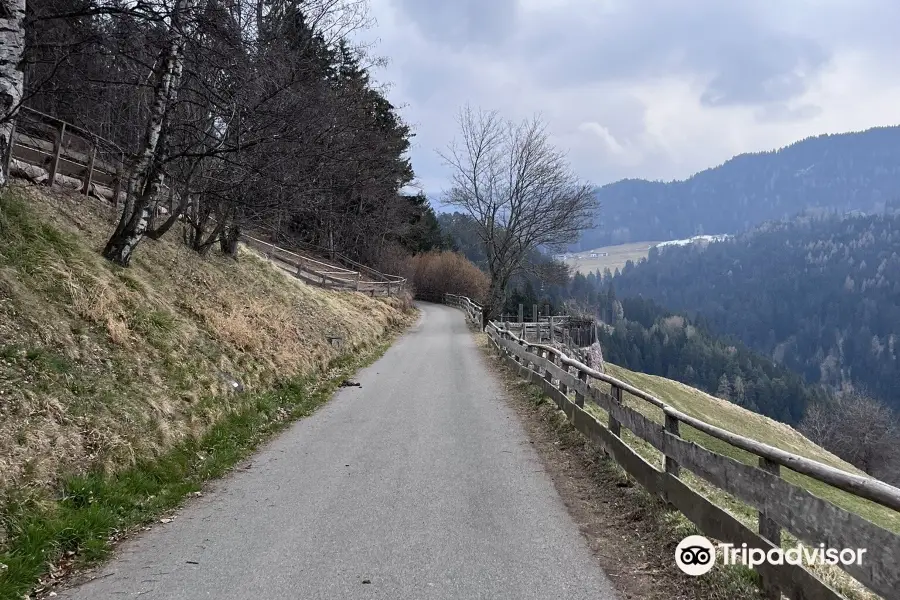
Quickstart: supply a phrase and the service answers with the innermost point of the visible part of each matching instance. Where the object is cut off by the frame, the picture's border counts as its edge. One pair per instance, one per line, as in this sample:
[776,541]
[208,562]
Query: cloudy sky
[657,89]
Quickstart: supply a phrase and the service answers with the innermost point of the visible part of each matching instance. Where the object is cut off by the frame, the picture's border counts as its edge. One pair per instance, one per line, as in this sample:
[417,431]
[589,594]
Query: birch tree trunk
[12,44]
[147,169]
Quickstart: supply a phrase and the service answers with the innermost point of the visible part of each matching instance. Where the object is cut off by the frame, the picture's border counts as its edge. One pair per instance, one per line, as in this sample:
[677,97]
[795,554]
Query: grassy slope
[106,372]
[749,424]
[618,256]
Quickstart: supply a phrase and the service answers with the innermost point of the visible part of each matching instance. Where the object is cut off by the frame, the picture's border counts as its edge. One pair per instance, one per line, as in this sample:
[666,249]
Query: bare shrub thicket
[858,428]
[443,272]
[234,114]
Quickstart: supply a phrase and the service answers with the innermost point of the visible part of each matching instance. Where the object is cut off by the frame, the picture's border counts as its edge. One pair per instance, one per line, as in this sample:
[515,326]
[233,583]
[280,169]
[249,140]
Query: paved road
[421,483]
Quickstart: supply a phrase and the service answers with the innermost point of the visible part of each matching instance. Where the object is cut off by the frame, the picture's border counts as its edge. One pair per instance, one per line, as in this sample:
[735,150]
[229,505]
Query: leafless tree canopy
[518,188]
[862,430]
[234,114]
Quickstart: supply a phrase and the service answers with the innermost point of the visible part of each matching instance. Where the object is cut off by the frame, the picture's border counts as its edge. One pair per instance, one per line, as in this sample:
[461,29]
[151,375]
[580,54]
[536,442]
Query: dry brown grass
[100,366]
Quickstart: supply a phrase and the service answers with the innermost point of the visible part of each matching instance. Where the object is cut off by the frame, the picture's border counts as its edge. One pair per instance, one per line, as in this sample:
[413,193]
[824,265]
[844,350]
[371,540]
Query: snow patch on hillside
[696,240]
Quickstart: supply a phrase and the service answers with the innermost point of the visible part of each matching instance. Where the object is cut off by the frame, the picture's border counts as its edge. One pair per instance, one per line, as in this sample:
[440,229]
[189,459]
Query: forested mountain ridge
[820,295]
[834,172]
[652,340]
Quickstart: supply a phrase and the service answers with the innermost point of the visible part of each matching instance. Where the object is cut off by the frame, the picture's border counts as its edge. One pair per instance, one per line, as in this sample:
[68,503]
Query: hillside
[163,374]
[111,365]
[819,295]
[842,172]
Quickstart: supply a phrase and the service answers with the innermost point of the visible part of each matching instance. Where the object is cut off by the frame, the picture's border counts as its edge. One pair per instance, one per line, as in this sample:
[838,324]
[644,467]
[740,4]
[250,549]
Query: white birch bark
[12,44]
[147,172]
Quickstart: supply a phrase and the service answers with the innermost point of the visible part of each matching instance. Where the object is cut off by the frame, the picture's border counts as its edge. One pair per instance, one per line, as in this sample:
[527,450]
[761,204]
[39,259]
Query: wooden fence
[51,151]
[781,504]
[67,154]
[328,275]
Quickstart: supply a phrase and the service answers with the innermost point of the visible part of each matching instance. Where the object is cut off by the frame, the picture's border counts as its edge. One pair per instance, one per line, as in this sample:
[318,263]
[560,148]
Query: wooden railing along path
[64,153]
[328,275]
[68,154]
[781,504]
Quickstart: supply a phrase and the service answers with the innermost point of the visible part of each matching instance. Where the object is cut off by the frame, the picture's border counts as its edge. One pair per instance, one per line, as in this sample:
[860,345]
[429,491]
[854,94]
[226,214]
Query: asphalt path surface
[421,484]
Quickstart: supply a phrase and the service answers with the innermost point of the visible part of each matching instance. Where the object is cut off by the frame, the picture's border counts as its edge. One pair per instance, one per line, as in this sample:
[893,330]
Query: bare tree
[858,428]
[148,168]
[520,191]
[232,115]
[12,45]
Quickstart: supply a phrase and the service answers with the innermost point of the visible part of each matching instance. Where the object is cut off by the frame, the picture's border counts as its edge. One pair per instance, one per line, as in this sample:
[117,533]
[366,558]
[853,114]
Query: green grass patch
[26,243]
[88,511]
[45,360]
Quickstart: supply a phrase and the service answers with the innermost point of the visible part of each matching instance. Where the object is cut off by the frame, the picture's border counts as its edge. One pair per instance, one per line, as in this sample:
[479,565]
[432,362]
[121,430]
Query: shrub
[436,273]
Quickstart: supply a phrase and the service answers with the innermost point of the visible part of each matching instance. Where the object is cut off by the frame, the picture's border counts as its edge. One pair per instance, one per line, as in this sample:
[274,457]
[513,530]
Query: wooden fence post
[548,376]
[521,313]
[57,151]
[551,330]
[563,387]
[532,366]
[579,397]
[614,426]
[671,466]
[769,529]
[90,170]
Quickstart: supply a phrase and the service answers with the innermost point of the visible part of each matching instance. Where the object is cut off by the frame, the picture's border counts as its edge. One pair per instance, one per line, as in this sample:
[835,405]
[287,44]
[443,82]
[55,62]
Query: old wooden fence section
[314,271]
[781,505]
[66,154]
[51,151]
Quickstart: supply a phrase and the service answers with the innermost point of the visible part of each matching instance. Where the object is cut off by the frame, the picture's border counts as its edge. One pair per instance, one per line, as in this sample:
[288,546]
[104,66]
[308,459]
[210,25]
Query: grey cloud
[461,22]
[762,70]
[746,59]
[780,113]
[746,53]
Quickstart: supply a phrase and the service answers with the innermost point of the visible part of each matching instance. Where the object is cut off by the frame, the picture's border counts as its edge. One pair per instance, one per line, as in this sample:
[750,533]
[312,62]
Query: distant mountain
[819,295]
[842,172]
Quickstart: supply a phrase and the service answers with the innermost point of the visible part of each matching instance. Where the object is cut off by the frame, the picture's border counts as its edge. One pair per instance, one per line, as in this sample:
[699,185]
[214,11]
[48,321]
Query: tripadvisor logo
[695,555]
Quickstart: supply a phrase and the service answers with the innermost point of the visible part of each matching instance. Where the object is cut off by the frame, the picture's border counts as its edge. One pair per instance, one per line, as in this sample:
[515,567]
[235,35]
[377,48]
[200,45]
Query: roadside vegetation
[122,390]
[436,273]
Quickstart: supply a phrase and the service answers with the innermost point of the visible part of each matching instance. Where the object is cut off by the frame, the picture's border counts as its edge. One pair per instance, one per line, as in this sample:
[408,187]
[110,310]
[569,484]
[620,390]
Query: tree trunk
[12,44]
[229,241]
[215,236]
[121,246]
[494,301]
[147,172]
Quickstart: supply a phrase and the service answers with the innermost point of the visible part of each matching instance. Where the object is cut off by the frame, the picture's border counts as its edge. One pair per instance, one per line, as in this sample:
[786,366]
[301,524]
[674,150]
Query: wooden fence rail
[68,154]
[327,275]
[780,503]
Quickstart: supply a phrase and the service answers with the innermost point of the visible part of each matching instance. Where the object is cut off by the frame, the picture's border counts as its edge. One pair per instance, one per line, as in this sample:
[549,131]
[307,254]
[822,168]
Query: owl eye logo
[695,555]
